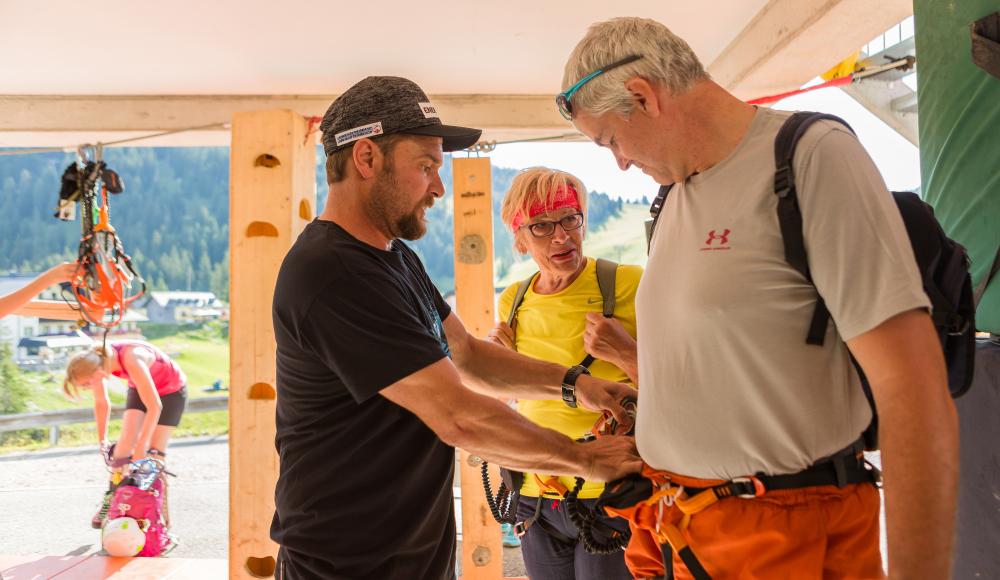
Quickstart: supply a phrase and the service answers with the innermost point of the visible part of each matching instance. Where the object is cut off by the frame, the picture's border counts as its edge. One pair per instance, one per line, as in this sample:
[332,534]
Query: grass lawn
[621,239]
[204,358]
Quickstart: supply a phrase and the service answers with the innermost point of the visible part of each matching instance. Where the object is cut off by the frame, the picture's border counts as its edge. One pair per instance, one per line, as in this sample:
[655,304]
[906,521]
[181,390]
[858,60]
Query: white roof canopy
[106,69]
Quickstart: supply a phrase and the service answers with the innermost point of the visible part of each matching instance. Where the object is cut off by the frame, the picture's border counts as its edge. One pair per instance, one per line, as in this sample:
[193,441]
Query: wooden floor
[100,567]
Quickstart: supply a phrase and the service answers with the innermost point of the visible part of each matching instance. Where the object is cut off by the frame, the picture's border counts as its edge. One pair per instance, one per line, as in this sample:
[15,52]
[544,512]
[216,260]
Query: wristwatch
[569,384]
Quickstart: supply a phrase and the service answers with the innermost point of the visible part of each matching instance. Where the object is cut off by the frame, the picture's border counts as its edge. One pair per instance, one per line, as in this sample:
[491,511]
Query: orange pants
[818,532]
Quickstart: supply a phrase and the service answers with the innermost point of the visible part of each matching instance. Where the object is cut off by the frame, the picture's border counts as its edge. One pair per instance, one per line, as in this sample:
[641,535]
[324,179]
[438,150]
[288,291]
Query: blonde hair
[538,185]
[666,60]
[83,364]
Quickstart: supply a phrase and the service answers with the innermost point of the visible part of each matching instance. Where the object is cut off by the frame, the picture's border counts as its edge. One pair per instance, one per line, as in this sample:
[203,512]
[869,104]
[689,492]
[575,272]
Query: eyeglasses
[564,99]
[545,229]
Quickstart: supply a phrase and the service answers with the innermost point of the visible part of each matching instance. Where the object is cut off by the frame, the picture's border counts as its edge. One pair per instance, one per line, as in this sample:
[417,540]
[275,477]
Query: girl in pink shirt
[155,403]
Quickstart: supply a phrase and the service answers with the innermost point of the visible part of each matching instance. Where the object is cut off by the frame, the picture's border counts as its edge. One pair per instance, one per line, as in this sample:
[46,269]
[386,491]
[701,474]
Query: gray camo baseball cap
[385,105]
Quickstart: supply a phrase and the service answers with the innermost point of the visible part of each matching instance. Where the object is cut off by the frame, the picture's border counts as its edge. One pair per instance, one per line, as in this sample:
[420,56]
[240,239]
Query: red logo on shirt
[717,240]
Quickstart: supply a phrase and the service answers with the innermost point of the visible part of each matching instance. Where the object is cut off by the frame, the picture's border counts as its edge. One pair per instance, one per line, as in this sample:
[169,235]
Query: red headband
[565,197]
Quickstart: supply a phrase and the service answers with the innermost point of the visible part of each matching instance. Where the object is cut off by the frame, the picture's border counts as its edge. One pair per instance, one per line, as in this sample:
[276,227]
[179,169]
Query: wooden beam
[63,121]
[270,203]
[791,41]
[482,555]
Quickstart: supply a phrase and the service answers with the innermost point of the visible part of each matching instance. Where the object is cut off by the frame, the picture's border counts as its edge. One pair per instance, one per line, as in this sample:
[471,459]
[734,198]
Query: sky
[896,158]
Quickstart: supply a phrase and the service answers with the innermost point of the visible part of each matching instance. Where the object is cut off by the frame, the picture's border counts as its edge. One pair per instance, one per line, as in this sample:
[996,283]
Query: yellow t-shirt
[550,327]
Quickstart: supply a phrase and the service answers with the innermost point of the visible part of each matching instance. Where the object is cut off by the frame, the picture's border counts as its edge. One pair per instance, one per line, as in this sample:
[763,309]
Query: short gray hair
[666,60]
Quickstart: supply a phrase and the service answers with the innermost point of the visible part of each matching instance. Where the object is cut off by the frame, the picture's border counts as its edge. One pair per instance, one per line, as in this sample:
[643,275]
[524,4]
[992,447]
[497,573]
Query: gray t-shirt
[728,385]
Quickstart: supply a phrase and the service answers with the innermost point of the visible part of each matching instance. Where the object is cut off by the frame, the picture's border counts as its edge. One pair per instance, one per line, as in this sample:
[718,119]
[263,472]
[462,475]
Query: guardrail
[53,419]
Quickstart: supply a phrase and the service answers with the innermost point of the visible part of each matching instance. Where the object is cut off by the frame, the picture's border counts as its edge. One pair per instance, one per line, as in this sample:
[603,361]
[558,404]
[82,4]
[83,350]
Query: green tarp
[959,106]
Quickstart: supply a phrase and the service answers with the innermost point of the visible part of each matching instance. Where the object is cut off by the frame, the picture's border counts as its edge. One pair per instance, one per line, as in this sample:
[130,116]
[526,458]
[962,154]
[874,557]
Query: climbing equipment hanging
[105,282]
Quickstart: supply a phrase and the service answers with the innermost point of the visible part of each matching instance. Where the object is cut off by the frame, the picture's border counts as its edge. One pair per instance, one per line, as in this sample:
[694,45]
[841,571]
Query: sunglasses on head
[564,100]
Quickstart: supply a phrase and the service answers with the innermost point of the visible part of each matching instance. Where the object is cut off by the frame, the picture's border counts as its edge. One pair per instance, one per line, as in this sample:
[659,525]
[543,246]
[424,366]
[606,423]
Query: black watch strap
[569,384]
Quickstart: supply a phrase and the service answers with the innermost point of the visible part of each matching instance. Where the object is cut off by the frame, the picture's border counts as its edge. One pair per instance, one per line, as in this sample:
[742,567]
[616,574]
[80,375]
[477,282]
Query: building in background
[185,307]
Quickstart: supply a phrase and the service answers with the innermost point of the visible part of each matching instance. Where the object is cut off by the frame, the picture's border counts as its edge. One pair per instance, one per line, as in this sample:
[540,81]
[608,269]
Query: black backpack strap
[987,278]
[519,298]
[789,212]
[654,212]
[607,272]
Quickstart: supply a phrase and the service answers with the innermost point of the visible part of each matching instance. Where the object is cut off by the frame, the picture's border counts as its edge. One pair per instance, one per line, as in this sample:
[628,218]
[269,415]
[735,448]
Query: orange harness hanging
[105,282]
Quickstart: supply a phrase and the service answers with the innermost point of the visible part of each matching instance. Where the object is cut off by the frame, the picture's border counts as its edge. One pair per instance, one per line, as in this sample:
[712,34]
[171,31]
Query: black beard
[385,208]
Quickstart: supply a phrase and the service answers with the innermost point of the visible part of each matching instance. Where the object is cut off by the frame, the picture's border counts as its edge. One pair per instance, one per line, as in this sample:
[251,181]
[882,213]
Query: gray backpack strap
[519,297]
[607,271]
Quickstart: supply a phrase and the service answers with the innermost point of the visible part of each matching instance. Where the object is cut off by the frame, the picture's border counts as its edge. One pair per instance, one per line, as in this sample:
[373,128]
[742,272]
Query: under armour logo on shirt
[717,240]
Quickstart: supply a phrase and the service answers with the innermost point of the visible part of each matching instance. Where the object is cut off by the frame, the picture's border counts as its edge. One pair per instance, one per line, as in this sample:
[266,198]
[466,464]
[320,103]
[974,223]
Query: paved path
[47,499]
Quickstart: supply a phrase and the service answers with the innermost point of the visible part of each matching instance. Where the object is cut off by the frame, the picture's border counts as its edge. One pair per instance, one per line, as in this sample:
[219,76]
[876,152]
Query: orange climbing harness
[105,282]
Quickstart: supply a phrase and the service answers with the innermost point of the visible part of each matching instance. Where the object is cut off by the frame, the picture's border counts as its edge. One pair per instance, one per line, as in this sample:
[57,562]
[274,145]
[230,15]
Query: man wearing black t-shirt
[372,363]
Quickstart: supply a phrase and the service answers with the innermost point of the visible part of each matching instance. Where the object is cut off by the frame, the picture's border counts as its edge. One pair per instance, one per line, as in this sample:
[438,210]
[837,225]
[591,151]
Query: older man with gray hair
[734,401]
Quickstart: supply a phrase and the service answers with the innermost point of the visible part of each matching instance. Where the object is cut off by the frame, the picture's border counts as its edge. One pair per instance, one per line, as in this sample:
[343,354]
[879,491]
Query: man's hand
[601,395]
[611,457]
[502,334]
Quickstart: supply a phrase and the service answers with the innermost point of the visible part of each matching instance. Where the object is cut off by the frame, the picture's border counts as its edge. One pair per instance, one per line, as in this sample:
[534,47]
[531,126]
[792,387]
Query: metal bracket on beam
[905,104]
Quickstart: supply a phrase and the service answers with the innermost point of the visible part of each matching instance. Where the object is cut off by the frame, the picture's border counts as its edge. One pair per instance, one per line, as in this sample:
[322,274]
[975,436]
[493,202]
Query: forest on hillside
[173,217]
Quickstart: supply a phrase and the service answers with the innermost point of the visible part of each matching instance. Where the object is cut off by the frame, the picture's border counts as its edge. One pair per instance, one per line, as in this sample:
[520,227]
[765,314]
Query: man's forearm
[629,362]
[500,435]
[495,370]
[919,440]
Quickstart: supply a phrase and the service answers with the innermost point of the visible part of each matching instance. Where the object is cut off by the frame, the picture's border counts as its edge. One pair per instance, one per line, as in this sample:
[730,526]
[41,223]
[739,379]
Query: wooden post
[272,192]
[482,555]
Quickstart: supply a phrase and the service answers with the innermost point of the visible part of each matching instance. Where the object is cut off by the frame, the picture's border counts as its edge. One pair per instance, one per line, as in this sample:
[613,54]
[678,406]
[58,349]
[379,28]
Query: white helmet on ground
[123,537]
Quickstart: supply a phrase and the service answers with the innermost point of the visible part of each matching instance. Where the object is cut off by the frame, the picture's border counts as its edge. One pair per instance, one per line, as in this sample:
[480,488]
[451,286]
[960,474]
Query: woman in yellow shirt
[560,320]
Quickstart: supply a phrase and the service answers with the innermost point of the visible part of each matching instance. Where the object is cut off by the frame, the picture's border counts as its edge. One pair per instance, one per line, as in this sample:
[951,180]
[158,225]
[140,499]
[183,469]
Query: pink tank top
[167,376]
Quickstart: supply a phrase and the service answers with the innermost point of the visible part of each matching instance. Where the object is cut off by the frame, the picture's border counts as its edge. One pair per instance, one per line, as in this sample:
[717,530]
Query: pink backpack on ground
[147,508]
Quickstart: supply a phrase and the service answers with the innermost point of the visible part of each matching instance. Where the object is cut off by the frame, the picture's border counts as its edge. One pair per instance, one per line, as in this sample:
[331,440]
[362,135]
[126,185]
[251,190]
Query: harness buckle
[758,487]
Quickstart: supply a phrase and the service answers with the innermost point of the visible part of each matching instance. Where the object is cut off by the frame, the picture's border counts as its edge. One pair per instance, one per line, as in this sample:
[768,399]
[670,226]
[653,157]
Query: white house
[184,307]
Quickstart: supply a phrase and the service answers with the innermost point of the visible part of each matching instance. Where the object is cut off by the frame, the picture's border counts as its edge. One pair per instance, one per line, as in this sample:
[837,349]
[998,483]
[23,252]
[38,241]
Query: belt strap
[521,528]
[843,468]
[684,552]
